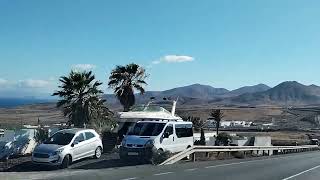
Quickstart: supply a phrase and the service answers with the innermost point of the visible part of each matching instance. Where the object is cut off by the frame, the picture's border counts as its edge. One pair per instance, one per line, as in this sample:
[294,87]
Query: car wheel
[123,158]
[98,153]
[65,162]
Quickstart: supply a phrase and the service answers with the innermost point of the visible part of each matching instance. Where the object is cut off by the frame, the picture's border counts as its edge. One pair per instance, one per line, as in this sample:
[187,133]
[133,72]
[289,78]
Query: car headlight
[57,152]
[149,143]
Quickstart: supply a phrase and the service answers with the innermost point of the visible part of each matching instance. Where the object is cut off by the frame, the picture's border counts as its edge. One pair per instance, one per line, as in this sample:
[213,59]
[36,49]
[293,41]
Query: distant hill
[250,89]
[290,92]
[12,102]
[195,91]
[195,94]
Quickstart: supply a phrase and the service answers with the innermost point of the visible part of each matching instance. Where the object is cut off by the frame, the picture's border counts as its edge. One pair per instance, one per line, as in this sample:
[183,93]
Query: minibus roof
[149,113]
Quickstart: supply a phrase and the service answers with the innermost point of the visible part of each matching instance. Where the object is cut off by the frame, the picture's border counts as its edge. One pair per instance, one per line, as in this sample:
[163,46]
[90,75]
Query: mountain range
[290,92]
[286,93]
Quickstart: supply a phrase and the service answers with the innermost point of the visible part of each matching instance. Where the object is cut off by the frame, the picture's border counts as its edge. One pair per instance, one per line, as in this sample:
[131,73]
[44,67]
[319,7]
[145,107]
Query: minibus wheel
[189,156]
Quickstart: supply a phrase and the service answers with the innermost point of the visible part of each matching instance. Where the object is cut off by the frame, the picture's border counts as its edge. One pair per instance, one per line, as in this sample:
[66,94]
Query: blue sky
[220,43]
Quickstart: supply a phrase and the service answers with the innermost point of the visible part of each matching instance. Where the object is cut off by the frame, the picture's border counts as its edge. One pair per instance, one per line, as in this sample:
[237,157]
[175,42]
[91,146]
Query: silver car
[67,146]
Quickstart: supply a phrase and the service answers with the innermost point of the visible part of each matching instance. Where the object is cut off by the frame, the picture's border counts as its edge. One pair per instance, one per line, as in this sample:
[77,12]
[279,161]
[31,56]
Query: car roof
[74,130]
[166,121]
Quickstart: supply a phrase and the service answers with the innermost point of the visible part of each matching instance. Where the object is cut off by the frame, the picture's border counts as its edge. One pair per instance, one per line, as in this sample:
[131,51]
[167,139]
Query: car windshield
[147,129]
[60,138]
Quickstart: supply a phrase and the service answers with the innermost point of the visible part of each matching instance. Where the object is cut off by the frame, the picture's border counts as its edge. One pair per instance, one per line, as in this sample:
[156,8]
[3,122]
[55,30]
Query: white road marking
[130,178]
[245,162]
[222,165]
[191,169]
[303,172]
[165,173]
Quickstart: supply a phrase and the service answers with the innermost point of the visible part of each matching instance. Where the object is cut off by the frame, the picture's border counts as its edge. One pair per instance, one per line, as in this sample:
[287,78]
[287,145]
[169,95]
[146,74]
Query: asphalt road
[301,166]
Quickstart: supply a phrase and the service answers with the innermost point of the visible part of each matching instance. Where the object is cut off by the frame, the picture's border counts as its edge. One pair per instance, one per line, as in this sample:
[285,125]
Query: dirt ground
[244,114]
[29,114]
[49,114]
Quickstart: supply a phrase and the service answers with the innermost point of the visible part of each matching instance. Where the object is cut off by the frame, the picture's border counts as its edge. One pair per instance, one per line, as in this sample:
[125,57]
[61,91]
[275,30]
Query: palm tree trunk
[126,108]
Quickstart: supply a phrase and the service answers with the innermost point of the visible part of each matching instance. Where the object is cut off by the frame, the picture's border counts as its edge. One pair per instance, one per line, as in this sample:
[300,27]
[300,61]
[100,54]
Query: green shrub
[202,141]
[160,156]
[223,139]
[238,154]
[109,141]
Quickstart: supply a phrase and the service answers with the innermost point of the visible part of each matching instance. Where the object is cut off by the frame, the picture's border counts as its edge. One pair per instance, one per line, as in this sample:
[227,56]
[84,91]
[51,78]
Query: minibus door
[168,139]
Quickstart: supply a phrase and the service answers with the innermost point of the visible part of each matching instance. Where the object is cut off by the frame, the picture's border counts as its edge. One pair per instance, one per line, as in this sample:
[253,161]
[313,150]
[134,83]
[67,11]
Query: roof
[147,115]
[73,130]
[147,112]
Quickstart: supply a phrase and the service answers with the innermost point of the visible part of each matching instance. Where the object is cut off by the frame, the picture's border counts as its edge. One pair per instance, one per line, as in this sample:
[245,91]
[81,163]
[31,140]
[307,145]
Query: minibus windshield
[147,129]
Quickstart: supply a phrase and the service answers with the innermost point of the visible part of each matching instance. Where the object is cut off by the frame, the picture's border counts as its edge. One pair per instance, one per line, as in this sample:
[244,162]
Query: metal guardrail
[207,149]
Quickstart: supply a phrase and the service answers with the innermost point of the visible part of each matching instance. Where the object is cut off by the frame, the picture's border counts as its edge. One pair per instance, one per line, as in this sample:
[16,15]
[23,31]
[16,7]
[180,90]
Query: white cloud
[156,62]
[83,67]
[34,83]
[176,59]
[3,82]
[171,59]
[27,87]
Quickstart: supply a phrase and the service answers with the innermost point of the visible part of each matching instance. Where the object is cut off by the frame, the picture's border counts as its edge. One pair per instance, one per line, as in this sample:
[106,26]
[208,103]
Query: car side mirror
[74,143]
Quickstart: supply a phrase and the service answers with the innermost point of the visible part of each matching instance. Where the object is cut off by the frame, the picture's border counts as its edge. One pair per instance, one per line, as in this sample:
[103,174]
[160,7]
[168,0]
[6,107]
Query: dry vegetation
[49,114]
[264,114]
[29,114]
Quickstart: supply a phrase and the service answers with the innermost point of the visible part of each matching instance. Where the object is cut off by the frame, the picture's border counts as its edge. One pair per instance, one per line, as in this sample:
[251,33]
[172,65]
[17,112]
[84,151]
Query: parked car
[67,146]
[160,135]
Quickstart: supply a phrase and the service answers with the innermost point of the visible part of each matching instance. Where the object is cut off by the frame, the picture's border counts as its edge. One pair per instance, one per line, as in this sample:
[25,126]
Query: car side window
[169,129]
[89,135]
[79,138]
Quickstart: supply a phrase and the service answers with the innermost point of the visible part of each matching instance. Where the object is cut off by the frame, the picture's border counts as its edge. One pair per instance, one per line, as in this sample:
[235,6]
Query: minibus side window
[184,130]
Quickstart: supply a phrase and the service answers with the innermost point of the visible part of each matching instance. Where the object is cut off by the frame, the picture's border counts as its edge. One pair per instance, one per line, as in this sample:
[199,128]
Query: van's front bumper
[145,153]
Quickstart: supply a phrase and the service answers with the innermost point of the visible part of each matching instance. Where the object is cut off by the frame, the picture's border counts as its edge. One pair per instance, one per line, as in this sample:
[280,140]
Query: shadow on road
[30,167]
[111,163]
[106,161]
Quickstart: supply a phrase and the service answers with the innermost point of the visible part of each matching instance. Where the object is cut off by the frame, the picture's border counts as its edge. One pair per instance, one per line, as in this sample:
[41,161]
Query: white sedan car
[67,146]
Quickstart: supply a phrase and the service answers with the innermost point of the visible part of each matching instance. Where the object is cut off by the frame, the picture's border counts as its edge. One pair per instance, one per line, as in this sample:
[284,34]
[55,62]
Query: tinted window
[147,129]
[169,129]
[89,135]
[60,138]
[184,130]
[79,138]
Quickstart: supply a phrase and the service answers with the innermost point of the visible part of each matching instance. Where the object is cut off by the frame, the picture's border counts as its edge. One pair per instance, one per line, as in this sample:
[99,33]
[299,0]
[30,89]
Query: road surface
[300,166]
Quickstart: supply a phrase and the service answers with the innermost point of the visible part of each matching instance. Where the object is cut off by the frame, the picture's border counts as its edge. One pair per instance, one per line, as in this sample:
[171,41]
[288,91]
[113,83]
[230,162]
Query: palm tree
[102,117]
[80,96]
[124,80]
[217,115]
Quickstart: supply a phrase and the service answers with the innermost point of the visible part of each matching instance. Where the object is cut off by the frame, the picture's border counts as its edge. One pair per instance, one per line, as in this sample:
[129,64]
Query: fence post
[194,157]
